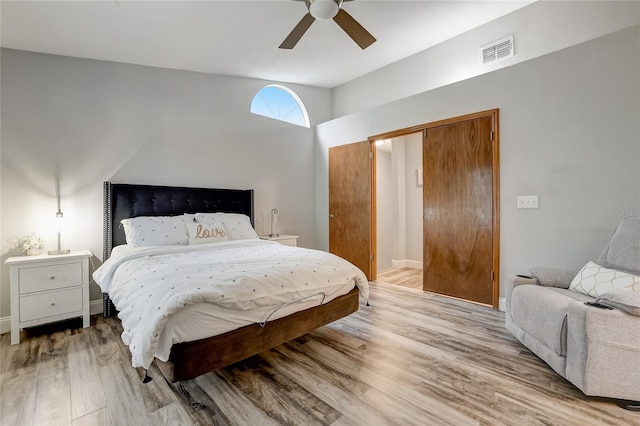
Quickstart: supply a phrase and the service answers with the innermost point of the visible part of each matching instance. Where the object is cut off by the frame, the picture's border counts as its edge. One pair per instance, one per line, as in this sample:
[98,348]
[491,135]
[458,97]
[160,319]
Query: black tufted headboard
[122,201]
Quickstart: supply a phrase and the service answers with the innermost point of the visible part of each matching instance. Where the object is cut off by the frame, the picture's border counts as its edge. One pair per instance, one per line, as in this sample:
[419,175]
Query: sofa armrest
[553,277]
[603,351]
[517,282]
[522,281]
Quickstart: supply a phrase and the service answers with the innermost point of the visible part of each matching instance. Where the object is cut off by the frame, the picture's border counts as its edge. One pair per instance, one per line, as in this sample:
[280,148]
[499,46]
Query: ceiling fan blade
[296,34]
[356,31]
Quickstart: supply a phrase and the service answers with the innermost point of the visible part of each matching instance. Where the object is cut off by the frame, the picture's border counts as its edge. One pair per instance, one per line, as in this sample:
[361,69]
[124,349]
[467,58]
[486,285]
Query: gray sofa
[598,350]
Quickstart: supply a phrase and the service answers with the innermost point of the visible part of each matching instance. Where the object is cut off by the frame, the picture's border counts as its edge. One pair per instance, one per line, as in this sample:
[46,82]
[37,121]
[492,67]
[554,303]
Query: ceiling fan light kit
[326,10]
[323,9]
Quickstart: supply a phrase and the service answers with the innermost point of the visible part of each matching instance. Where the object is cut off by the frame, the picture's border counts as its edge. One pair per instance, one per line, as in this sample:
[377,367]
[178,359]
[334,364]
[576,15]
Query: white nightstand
[285,240]
[48,288]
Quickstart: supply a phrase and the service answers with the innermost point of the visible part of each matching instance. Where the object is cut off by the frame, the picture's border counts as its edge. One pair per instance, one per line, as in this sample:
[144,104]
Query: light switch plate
[527,201]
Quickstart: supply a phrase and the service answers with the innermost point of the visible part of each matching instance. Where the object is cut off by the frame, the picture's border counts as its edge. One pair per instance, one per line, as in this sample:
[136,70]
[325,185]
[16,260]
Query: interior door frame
[373,255]
[494,114]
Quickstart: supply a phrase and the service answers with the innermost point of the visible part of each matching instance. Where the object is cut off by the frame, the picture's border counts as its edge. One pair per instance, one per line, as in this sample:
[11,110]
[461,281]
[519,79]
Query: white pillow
[238,226]
[155,230]
[202,233]
[595,280]
[210,217]
[189,217]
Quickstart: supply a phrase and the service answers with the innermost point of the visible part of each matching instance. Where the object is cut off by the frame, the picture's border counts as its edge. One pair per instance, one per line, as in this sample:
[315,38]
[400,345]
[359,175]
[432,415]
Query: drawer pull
[52,277]
[53,303]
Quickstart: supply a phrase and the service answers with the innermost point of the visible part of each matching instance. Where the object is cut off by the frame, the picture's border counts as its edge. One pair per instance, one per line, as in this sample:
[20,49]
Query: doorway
[398,210]
[458,212]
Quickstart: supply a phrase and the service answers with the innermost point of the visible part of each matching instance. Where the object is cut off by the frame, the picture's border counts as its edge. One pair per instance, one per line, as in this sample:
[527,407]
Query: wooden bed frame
[192,359]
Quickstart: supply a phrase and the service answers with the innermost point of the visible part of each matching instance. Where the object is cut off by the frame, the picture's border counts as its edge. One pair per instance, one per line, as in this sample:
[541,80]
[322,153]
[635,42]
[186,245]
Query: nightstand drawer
[284,239]
[44,305]
[39,278]
[288,242]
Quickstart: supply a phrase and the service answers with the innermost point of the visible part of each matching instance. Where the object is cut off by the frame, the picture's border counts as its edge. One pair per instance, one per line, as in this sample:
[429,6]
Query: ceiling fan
[325,10]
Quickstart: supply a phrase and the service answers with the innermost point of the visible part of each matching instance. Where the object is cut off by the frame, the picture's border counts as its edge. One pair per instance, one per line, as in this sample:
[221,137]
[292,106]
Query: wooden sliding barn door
[458,164]
[350,204]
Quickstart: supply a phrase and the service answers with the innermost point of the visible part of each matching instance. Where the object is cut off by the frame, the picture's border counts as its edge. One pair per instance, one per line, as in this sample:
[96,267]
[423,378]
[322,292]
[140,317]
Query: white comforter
[149,284]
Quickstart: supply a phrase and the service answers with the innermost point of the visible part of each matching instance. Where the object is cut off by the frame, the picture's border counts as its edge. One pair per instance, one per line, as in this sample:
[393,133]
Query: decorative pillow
[594,280]
[626,299]
[155,230]
[202,233]
[553,277]
[238,226]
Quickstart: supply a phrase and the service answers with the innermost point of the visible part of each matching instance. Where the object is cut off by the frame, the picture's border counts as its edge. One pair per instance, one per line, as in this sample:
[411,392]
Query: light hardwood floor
[405,277]
[409,358]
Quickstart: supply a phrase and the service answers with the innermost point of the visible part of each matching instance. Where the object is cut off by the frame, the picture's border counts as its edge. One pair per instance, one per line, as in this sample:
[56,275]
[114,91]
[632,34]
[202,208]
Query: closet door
[458,174]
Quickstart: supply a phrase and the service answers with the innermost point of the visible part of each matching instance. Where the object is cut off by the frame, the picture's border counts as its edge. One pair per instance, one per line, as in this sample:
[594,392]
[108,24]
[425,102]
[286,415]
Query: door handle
[330,216]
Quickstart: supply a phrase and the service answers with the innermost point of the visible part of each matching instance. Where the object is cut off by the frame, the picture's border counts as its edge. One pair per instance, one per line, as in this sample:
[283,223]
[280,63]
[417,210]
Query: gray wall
[538,29]
[89,121]
[569,132]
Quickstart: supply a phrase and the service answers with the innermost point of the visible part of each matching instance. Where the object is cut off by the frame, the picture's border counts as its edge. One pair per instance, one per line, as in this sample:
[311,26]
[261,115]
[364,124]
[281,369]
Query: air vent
[497,50]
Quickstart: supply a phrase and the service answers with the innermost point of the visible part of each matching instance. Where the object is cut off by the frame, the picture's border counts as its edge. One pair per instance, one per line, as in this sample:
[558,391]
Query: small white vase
[33,251]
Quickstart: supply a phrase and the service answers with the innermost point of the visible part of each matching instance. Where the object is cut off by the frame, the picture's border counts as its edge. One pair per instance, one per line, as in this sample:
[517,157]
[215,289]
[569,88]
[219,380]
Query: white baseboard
[5,325]
[502,304]
[406,263]
[95,307]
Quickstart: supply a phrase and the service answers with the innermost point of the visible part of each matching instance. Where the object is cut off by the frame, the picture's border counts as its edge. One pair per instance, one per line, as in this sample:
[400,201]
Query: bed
[222,344]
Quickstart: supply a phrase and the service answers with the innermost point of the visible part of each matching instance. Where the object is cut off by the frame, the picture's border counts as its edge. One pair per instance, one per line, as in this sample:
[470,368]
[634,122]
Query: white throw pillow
[189,217]
[238,226]
[595,280]
[155,230]
[202,233]
[209,217]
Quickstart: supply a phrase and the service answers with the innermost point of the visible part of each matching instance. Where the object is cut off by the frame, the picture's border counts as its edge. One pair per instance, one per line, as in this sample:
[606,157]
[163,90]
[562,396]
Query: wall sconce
[59,223]
[275,223]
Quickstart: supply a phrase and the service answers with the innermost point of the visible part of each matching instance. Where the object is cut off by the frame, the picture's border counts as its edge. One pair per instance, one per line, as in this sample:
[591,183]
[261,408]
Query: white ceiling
[240,37]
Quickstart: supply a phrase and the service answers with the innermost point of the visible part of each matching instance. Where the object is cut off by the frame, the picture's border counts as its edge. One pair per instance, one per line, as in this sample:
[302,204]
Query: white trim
[95,307]
[397,264]
[502,304]
[406,263]
[5,325]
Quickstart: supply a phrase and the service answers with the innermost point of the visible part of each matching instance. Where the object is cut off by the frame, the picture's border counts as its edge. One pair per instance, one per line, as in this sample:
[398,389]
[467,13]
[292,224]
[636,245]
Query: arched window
[280,103]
